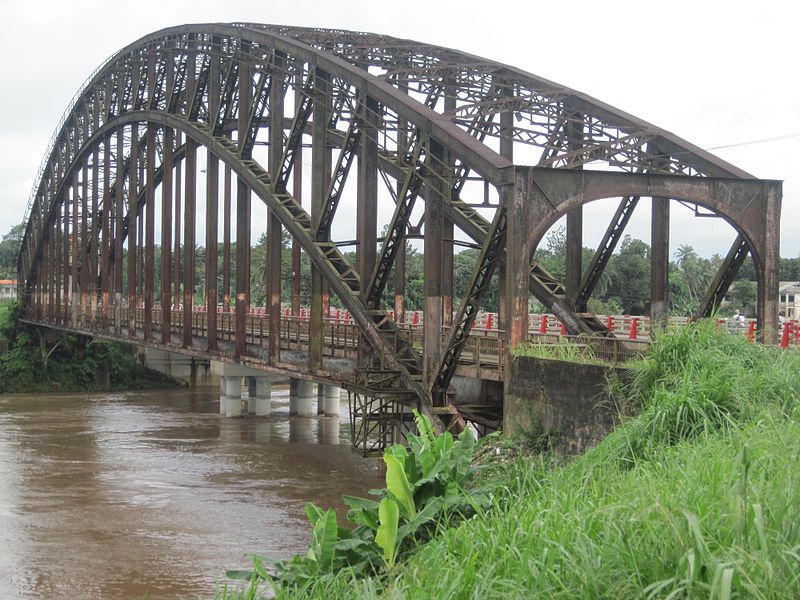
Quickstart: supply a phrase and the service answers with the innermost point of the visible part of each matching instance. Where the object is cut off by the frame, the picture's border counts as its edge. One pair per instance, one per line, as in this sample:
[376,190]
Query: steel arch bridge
[483,150]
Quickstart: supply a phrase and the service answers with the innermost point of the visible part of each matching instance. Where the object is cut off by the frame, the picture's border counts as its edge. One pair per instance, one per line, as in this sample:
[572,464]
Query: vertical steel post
[518,199]
[118,238]
[319,170]
[85,245]
[149,234]
[400,258]
[767,309]
[212,214]
[242,219]
[133,217]
[574,249]
[448,230]
[108,208]
[212,207]
[434,246]
[367,194]
[659,264]
[74,299]
[94,252]
[65,260]
[188,241]
[166,236]
[297,192]
[506,151]
[176,234]
[274,229]
[55,263]
[226,240]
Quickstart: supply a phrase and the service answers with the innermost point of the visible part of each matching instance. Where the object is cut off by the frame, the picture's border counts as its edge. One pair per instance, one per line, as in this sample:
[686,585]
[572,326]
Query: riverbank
[41,360]
[698,496]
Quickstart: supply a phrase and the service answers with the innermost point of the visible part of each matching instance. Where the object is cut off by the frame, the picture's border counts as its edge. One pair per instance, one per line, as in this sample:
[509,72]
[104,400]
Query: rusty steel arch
[435,124]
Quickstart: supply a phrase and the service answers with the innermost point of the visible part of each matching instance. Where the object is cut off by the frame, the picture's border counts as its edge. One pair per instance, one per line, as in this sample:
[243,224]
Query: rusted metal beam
[605,250]
[119,206]
[166,237]
[133,218]
[188,241]
[724,277]
[659,265]
[149,234]
[432,301]
[242,221]
[319,172]
[274,228]
[226,240]
[212,215]
[367,192]
[177,222]
[105,279]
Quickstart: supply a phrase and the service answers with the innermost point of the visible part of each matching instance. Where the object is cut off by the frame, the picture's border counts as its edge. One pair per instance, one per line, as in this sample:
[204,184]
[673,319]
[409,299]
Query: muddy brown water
[153,494]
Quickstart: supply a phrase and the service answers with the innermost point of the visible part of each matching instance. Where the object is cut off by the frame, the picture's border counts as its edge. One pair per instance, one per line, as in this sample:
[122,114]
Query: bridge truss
[438,130]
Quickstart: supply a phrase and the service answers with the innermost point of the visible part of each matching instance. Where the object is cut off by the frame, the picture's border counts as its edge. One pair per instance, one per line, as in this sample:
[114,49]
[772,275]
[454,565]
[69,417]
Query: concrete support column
[306,394]
[233,396]
[251,395]
[263,402]
[330,400]
[293,385]
[659,264]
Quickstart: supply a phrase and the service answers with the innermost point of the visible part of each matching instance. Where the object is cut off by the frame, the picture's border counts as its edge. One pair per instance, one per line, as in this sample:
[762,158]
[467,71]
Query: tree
[9,248]
[630,278]
[743,295]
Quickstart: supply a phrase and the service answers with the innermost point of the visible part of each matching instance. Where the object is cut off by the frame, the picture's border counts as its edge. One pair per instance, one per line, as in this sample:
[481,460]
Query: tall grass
[566,351]
[697,497]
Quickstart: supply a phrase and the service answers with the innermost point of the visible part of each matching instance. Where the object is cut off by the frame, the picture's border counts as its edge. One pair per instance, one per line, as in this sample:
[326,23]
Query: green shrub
[425,491]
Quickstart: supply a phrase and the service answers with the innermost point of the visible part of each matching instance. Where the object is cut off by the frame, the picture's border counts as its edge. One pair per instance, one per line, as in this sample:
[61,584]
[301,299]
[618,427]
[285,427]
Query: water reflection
[122,495]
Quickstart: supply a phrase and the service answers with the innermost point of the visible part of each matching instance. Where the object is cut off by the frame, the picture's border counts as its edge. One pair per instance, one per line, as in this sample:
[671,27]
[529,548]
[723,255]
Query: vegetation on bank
[41,360]
[696,497]
[566,351]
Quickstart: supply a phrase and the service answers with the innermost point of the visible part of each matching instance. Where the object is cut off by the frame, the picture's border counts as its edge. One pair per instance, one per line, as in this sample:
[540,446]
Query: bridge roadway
[482,357]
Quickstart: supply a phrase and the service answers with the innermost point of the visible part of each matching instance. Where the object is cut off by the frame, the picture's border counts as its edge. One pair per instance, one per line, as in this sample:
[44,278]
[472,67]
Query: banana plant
[425,486]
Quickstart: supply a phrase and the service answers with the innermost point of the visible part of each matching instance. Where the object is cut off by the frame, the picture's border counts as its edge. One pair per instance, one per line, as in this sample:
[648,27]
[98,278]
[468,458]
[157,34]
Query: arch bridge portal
[195,126]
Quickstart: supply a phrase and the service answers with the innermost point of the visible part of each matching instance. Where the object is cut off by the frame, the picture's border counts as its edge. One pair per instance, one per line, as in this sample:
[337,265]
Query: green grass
[566,351]
[696,497]
[5,309]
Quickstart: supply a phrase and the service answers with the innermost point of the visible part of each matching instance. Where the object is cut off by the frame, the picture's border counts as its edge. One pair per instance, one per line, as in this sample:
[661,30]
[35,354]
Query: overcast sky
[717,74]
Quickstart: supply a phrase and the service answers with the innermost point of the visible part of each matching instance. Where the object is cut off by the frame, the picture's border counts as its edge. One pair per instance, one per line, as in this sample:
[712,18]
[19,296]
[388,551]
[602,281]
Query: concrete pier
[293,383]
[233,397]
[306,394]
[261,396]
[330,400]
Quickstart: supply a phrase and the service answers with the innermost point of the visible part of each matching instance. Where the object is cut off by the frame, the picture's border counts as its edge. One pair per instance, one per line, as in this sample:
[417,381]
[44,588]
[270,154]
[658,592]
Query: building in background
[8,289]
[789,305]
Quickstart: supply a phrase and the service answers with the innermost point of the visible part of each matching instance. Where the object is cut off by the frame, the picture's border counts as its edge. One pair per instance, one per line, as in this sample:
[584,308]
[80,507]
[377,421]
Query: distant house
[788,301]
[8,289]
[789,305]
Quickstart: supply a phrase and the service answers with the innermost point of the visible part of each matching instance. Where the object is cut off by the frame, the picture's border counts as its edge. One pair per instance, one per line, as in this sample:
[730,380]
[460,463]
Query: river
[122,495]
